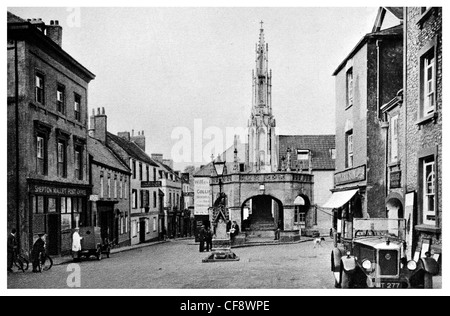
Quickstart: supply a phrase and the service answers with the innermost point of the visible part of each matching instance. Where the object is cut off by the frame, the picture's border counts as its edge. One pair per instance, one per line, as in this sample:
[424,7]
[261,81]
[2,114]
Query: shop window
[154,200]
[154,224]
[147,171]
[115,187]
[108,187]
[39,89]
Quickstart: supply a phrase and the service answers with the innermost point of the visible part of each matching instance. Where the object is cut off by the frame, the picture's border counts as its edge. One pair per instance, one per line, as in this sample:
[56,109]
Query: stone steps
[261,234]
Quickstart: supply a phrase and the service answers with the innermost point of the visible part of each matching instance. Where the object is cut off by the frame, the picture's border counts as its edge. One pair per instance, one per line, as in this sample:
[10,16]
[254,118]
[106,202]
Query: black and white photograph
[224,148]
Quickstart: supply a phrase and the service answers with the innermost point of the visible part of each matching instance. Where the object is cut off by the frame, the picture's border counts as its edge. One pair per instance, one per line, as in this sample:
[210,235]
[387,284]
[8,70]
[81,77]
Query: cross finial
[261,24]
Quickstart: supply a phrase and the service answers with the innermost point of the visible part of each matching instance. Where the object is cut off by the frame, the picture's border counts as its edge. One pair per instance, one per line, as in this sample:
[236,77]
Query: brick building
[423,112]
[48,180]
[367,78]
[110,180]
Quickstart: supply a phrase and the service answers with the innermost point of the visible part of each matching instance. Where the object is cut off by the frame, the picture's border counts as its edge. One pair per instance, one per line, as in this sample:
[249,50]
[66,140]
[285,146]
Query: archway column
[235,215]
[289,217]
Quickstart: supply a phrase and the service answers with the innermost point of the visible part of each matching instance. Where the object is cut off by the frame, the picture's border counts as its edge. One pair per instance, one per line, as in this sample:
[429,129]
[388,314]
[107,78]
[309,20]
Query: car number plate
[391,285]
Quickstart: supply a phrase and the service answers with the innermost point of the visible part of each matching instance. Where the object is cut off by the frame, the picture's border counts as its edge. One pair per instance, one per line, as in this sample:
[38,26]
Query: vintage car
[92,243]
[375,257]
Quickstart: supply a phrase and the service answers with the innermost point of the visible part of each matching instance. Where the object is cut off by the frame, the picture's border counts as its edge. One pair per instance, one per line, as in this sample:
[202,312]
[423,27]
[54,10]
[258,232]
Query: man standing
[202,238]
[76,244]
[234,231]
[38,249]
[209,237]
[12,249]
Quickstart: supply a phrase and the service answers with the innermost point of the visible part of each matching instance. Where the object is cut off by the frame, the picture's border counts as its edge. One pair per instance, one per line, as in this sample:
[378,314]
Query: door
[142,231]
[53,234]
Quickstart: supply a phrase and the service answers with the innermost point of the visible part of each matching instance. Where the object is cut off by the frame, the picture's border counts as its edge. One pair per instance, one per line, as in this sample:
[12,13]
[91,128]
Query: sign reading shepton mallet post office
[350,175]
[57,191]
[202,196]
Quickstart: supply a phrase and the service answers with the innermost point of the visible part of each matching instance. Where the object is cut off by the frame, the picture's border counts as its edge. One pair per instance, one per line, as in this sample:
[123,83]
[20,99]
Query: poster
[409,216]
[202,196]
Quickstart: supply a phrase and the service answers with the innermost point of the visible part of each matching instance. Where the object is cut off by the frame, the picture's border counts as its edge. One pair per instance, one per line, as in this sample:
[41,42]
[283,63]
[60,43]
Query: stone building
[110,180]
[259,195]
[366,79]
[144,184]
[171,192]
[47,158]
[423,131]
[314,154]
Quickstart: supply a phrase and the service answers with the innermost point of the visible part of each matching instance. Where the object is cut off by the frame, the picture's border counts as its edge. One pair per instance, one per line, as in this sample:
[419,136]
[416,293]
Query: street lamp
[219,166]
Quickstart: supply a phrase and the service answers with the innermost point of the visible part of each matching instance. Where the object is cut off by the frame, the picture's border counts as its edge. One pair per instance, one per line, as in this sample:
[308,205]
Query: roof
[318,145]
[395,31]
[103,155]
[19,28]
[132,149]
[397,11]
[12,18]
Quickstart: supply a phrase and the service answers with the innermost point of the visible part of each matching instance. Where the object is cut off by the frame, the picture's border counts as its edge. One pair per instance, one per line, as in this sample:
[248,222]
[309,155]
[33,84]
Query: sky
[159,69]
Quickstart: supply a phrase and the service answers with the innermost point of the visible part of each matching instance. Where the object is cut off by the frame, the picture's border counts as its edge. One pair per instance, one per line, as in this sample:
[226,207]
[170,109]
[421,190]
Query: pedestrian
[12,249]
[234,231]
[209,237]
[76,245]
[202,238]
[278,231]
[37,251]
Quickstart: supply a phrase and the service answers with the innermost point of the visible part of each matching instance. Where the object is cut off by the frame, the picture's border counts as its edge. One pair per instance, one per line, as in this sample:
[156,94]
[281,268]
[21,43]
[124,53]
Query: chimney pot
[98,111]
[103,110]
[52,22]
[132,132]
[56,22]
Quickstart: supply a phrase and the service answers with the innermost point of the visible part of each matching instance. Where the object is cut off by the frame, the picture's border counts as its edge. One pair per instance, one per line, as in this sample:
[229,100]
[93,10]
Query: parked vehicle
[375,257]
[92,243]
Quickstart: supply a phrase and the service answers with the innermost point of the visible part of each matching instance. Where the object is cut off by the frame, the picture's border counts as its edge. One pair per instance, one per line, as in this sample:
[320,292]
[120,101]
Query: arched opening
[394,208]
[301,215]
[262,213]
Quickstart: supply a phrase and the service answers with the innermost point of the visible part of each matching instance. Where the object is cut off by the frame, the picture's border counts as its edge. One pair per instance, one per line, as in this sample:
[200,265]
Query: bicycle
[45,262]
[21,262]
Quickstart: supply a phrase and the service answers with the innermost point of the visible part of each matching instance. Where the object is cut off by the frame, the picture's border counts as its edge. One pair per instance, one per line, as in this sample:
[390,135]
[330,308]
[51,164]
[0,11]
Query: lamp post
[219,166]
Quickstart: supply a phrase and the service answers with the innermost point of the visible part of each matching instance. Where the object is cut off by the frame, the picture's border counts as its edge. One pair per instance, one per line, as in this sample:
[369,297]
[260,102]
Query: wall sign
[351,175]
[151,184]
[202,196]
[395,179]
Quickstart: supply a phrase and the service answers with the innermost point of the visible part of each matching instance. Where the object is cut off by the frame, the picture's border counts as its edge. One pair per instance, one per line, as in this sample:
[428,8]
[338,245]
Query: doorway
[142,231]
[53,234]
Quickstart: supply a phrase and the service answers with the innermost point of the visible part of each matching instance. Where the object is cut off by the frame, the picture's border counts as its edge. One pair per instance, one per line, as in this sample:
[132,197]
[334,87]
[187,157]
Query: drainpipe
[404,103]
[16,69]
[378,78]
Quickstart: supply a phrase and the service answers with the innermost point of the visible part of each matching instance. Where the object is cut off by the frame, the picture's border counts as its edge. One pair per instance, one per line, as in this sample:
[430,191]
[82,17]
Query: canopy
[340,198]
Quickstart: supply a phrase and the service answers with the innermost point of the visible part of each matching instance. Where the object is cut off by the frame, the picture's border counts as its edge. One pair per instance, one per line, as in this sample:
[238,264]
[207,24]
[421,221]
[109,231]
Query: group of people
[206,235]
[36,252]
[38,249]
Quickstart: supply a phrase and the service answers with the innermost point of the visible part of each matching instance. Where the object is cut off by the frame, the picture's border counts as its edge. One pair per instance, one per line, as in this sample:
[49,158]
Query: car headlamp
[412,265]
[367,265]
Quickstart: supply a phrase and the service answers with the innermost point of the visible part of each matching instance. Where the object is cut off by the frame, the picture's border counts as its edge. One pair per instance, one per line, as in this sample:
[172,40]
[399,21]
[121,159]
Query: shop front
[55,210]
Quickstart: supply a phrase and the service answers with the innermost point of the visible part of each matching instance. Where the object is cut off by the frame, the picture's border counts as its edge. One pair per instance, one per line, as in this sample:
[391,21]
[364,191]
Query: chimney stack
[158,157]
[100,125]
[124,135]
[54,31]
[91,130]
[139,139]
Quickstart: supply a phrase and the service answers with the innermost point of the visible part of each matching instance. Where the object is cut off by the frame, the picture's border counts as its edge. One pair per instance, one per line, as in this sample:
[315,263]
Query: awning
[340,198]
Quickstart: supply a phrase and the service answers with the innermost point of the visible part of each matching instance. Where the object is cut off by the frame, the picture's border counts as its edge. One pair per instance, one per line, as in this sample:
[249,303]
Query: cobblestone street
[178,265]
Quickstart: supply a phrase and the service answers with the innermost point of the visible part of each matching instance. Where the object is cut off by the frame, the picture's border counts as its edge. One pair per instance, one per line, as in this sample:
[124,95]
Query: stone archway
[394,206]
[262,215]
